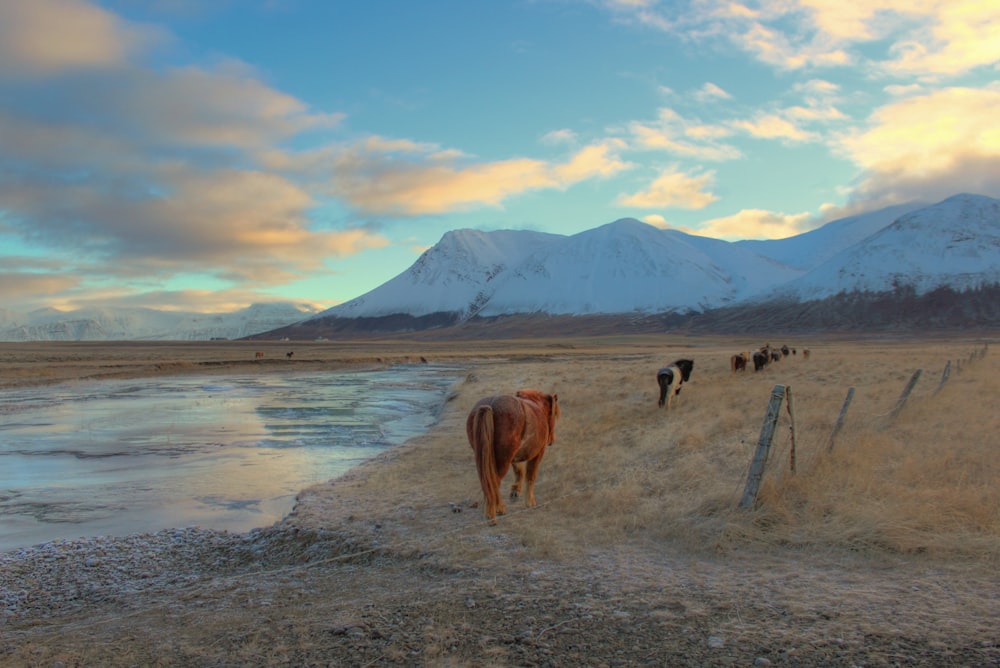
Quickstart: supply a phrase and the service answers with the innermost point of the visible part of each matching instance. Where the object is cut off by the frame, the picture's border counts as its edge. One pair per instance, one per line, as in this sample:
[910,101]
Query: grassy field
[880,550]
[921,482]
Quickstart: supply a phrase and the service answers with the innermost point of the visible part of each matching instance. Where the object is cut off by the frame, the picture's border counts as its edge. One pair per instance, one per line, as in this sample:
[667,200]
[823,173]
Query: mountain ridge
[631,269]
[627,275]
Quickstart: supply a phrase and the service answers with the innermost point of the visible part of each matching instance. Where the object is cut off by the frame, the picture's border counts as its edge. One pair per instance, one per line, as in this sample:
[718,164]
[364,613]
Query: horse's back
[508,415]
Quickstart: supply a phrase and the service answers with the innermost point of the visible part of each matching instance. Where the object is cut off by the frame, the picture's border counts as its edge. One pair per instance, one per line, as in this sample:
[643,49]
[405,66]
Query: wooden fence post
[791,416]
[944,377]
[763,447]
[840,419]
[906,393]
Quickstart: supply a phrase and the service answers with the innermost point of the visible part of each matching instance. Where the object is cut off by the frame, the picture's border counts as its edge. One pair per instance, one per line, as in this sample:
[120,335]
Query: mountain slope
[811,249]
[456,275]
[955,242]
[629,266]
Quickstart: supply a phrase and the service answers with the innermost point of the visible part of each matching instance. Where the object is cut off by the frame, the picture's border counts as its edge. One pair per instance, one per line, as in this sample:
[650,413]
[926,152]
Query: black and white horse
[670,378]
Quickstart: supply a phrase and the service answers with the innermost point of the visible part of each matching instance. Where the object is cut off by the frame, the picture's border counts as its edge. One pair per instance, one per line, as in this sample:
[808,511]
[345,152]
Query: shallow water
[229,452]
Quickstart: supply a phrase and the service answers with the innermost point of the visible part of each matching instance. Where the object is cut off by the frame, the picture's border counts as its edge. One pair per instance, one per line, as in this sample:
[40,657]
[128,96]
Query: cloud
[162,171]
[955,36]
[44,37]
[656,220]
[927,39]
[673,189]
[774,126]
[563,136]
[930,145]
[756,224]
[426,180]
[29,286]
[709,91]
[682,137]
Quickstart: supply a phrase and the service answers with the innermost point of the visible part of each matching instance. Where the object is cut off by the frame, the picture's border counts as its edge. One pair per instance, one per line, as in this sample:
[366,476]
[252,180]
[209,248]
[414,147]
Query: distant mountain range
[147,324]
[631,272]
[903,267]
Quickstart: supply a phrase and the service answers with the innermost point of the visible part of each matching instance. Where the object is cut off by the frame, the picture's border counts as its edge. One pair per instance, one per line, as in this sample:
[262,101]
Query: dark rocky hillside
[901,310]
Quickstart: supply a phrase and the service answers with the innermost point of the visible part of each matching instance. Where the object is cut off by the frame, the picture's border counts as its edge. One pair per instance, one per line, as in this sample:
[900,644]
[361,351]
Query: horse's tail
[482,433]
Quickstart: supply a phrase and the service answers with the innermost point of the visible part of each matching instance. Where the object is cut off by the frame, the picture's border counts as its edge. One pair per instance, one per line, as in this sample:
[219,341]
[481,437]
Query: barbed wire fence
[783,393]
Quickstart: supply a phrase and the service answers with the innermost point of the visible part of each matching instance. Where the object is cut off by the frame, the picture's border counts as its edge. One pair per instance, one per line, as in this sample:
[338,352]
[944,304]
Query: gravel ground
[287,596]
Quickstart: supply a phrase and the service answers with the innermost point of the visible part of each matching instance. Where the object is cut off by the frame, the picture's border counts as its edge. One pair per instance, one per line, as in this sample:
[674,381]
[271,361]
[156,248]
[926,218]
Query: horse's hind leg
[531,474]
[515,489]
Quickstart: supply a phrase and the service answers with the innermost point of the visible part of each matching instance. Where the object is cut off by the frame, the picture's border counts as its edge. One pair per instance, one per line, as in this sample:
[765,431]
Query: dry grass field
[882,550]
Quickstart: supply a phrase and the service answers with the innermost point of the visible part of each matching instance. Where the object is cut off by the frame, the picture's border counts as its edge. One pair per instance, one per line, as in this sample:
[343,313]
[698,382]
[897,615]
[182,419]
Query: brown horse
[738,362]
[511,431]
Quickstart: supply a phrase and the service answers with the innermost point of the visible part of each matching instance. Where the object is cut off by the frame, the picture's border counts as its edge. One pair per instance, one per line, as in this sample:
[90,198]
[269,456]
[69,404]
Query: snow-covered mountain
[457,274]
[628,267]
[624,267]
[811,249]
[120,324]
[955,242]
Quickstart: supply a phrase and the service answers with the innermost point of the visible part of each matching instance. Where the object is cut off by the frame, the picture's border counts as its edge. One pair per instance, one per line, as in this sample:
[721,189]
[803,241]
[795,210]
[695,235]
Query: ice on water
[125,456]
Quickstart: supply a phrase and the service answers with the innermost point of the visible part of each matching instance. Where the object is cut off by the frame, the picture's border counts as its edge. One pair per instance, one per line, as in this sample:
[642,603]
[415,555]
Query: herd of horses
[762,357]
[512,431]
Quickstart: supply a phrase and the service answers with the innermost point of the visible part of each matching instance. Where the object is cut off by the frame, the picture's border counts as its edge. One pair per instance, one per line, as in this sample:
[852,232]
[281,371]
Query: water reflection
[115,457]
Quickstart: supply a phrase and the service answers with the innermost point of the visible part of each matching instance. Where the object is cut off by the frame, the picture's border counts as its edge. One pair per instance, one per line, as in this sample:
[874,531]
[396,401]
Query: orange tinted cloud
[673,189]
[755,224]
[375,181]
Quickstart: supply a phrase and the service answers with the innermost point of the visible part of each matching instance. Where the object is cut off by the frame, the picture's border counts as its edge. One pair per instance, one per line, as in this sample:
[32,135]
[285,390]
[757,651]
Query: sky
[204,155]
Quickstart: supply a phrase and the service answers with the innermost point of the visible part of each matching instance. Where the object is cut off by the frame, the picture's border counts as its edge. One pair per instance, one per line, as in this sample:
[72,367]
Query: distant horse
[258,355]
[738,362]
[670,378]
[288,355]
[760,360]
[785,351]
[511,431]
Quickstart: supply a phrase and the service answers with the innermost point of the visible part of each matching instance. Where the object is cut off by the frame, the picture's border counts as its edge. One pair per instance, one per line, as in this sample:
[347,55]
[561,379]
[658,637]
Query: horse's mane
[531,395]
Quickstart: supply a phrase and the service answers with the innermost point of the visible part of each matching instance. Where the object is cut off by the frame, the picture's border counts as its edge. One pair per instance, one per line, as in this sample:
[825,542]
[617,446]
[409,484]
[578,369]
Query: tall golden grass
[924,482]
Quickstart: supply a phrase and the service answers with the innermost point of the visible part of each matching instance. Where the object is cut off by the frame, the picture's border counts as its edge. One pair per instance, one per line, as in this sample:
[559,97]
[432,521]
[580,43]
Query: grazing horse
[258,355]
[511,431]
[760,360]
[670,378]
[785,351]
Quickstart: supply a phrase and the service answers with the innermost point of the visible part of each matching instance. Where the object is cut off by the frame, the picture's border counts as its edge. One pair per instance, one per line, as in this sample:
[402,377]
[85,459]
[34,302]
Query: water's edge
[229,453]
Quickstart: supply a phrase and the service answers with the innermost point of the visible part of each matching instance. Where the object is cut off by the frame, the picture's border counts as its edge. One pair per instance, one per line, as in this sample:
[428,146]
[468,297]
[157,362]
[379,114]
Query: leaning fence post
[944,377]
[763,446]
[791,416]
[840,419]
[906,393]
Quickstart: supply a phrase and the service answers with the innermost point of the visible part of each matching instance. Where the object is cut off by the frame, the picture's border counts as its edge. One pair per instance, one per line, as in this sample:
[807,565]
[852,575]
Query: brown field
[880,551]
